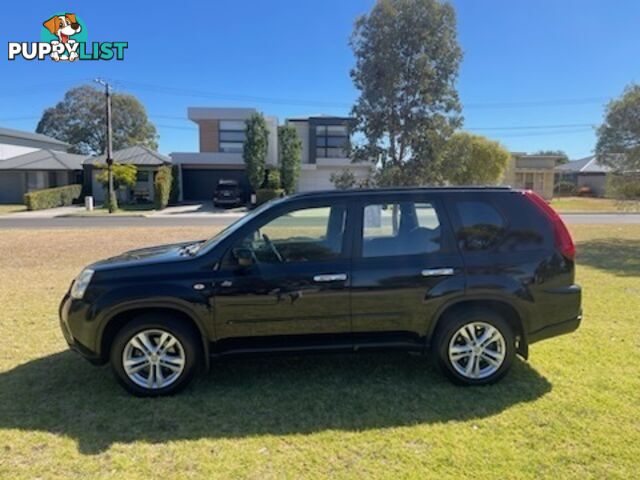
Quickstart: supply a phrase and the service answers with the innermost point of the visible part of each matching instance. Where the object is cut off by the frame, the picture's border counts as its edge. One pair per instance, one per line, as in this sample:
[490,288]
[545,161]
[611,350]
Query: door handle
[330,277]
[437,272]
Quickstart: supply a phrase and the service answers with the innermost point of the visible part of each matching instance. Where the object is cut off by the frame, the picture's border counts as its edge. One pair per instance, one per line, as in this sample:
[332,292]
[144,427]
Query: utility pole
[109,147]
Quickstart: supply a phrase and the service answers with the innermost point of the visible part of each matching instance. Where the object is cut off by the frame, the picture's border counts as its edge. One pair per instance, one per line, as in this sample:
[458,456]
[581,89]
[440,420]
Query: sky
[535,75]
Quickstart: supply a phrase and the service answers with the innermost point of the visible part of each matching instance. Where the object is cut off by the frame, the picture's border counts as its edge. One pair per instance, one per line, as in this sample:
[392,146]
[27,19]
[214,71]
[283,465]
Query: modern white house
[221,133]
[325,144]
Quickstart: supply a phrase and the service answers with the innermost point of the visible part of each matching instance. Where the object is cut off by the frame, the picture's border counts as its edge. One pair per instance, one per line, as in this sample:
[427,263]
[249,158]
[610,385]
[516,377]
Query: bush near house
[52,197]
[162,187]
[263,195]
[623,187]
[174,195]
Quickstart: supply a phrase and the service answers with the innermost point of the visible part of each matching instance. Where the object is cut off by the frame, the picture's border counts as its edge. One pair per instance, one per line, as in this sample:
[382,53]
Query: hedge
[623,186]
[263,195]
[52,197]
[162,187]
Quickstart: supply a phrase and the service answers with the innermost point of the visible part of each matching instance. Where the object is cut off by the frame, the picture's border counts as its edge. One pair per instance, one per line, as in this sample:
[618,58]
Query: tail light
[562,237]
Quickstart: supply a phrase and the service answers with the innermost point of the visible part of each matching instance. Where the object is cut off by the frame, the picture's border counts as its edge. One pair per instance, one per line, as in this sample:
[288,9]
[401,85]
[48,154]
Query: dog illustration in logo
[63,27]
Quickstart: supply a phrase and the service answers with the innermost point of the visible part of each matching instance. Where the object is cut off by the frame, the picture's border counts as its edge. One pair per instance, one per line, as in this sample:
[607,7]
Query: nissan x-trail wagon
[473,276]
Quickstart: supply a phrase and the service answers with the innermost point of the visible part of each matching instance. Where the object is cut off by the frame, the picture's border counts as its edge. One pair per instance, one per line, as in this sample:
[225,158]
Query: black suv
[228,193]
[471,275]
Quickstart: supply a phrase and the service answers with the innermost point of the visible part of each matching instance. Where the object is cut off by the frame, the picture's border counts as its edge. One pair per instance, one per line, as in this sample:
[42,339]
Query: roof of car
[373,191]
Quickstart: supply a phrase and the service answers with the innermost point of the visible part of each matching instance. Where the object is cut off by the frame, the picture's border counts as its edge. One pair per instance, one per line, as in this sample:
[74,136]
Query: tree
[564,158]
[343,180]
[124,175]
[290,151]
[255,149]
[618,145]
[407,59]
[79,119]
[474,160]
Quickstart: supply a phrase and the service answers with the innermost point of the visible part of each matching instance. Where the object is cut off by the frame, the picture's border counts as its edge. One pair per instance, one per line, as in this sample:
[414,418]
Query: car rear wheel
[154,355]
[475,347]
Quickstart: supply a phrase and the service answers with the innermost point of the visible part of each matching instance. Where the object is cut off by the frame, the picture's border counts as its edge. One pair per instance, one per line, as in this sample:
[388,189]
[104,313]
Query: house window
[232,136]
[528,181]
[331,141]
[142,176]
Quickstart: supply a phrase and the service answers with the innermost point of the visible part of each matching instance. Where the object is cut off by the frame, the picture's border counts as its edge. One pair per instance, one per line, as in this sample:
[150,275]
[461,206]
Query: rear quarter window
[482,226]
[504,223]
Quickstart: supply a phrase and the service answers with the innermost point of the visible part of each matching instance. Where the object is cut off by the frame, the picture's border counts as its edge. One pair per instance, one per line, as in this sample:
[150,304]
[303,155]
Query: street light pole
[109,147]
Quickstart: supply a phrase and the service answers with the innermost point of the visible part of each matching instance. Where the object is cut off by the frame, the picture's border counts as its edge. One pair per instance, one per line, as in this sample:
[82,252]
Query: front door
[405,266]
[286,281]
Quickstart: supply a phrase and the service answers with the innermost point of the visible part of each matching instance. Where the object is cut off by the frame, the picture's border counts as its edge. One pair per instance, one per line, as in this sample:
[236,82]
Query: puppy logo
[63,37]
[63,27]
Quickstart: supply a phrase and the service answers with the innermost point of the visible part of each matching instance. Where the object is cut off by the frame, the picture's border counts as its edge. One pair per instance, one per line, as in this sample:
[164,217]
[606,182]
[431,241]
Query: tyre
[155,355]
[474,347]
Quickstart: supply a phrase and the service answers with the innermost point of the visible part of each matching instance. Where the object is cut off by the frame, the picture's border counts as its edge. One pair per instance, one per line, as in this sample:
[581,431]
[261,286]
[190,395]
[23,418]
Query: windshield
[225,232]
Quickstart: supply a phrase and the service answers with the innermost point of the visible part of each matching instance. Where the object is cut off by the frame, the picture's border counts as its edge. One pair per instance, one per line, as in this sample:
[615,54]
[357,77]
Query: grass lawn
[572,411]
[11,208]
[594,205]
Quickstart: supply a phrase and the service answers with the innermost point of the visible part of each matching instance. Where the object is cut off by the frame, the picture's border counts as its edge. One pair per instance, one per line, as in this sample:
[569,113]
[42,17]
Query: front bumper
[74,343]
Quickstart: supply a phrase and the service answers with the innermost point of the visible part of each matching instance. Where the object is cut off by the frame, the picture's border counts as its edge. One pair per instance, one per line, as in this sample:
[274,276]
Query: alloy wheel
[477,350]
[153,359]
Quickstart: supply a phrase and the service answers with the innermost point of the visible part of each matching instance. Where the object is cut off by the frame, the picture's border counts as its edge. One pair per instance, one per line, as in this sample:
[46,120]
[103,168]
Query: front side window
[305,235]
[402,228]
[482,226]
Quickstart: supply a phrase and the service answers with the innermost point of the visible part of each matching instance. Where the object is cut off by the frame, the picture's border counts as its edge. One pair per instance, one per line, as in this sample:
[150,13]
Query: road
[223,220]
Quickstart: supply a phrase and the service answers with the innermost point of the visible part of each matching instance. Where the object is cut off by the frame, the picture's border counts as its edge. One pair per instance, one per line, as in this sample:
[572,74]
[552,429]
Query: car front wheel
[475,347]
[154,355]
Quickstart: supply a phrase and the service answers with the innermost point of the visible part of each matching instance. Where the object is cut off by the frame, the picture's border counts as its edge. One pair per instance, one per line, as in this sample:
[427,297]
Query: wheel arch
[506,309]
[118,319]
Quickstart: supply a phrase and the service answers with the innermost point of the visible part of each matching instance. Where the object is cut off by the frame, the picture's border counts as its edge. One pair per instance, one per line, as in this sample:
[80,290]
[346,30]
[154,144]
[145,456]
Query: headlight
[81,283]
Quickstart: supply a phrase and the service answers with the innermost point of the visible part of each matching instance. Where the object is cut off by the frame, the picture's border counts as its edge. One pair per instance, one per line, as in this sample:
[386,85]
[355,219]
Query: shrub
[174,196]
[564,187]
[273,179]
[263,195]
[343,180]
[52,197]
[623,187]
[162,187]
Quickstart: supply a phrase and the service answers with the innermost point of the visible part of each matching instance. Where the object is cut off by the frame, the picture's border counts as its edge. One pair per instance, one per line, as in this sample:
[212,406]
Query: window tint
[482,225]
[306,235]
[404,228]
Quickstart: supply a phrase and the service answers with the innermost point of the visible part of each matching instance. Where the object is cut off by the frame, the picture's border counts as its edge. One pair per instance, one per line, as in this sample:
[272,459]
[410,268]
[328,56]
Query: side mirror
[244,256]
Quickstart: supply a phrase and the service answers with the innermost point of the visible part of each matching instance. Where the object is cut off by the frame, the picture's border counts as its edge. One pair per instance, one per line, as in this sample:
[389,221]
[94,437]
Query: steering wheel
[273,248]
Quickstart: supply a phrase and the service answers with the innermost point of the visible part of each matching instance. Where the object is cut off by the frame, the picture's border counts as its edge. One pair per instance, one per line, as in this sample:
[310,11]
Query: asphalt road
[119,221]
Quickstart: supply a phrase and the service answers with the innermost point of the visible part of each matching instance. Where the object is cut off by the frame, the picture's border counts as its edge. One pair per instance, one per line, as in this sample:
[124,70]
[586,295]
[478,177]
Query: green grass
[11,208]
[594,205]
[571,411]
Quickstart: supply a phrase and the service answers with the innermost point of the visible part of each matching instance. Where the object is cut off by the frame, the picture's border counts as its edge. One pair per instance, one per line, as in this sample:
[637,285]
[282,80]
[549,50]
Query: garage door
[199,183]
[12,187]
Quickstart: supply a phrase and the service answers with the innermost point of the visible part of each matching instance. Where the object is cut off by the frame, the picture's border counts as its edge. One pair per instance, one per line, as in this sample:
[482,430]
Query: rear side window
[402,228]
[482,226]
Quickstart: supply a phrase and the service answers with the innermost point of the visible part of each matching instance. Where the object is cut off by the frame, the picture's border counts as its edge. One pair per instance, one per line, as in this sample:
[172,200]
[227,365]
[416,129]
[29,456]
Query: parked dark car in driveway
[472,276]
[228,194]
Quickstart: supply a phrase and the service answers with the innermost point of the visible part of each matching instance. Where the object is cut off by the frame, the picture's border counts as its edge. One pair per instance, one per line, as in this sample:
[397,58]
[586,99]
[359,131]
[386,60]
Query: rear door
[405,266]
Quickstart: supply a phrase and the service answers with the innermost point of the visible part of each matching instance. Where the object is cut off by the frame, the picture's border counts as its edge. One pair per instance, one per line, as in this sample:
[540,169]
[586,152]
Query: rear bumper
[227,201]
[555,329]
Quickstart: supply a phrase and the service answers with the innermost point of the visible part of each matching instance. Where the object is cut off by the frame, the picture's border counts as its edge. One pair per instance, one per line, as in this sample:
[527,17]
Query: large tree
[290,151]
[474,160]
[79,119]
[618,143]
[407,59]
[255,149]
